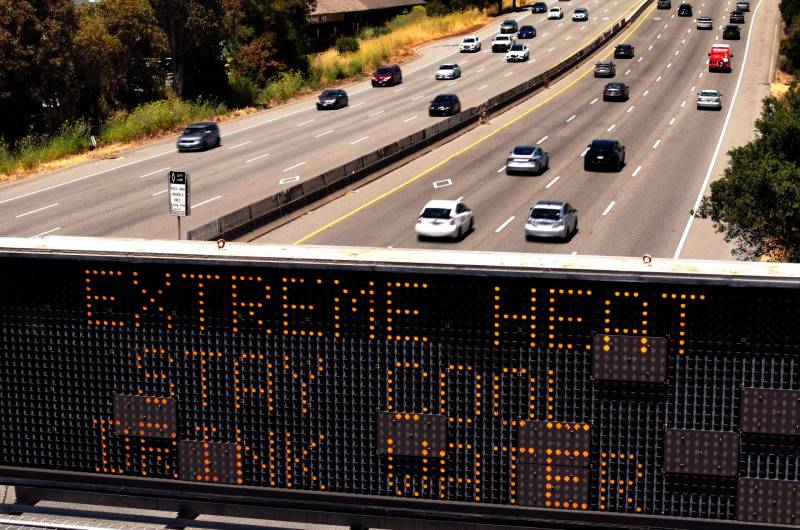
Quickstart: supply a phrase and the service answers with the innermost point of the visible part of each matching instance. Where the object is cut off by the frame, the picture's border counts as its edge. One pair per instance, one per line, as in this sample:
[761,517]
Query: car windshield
[447,67]
[523,150]
[603,65]
[602,146]
[470,39]
[704,19]
[436,213]
[624,47]
[546,213]
[731,28]
[441,100]
[329,94]
[384,71]
[613,86]
[509,23]
[580,10]
[193,130]
[555,9]
[708,93]
[526,28]
[517,48]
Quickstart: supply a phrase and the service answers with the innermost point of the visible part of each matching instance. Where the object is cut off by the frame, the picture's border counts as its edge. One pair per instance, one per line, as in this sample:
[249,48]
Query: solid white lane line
[630,109]
[611,128]
[377,113]
[267,154]
[645,92]
[320,135]
[638,169]
[482,87]
[48,232]
[713,161]
[154,172]
[543,138]
[499,228]
[294,166]
[592,102]
[359,140]
[501,169]
[584,152]
[399,89]
[657,142]
[37,210]
[553,182]
[608,208]
[306,122]
[159,193]
[199,204]
[627,71]
[671,122]
[414,117]
[287,180]
[54,186]
[570,118]
[241,144]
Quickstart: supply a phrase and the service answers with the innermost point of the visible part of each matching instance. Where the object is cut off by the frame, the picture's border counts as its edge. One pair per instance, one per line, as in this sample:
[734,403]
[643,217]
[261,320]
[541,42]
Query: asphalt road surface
[672,152]
[272,150]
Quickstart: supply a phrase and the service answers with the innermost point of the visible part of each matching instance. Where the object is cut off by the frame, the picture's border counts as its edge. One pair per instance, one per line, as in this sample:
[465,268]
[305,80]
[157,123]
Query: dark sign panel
[412,383]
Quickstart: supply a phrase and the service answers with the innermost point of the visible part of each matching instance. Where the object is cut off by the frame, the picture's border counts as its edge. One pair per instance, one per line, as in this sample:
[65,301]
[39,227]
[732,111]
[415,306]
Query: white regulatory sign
[178,185]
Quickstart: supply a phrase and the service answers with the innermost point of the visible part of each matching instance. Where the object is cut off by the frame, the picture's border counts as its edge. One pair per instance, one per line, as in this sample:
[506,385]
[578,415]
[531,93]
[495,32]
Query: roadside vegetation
[120,70]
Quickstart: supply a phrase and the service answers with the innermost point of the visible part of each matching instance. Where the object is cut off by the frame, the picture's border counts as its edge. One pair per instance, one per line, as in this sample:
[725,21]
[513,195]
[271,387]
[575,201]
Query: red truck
[719,59]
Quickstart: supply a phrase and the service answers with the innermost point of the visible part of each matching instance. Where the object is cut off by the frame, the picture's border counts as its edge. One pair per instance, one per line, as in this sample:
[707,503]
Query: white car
[709,99]
[444,218]
[448,71]
[518,52]
[580,14]
[555,12]
[502,43]
[471,43]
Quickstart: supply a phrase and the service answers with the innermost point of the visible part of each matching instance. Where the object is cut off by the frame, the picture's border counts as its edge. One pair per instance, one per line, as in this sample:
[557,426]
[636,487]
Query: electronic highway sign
[567,384]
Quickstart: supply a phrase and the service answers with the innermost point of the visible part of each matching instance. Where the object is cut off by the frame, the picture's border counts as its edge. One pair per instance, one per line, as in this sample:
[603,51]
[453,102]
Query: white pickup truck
[502,43]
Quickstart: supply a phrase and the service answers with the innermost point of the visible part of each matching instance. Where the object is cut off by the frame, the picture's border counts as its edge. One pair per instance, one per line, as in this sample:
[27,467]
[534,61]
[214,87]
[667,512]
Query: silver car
[551,219]
[527,159]
[448,71]
[709,99]
[444,218]
[705,23]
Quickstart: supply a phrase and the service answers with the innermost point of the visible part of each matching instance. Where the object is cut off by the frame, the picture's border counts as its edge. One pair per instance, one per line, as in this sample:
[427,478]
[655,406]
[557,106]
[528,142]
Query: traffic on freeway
[268,152]
[630,166]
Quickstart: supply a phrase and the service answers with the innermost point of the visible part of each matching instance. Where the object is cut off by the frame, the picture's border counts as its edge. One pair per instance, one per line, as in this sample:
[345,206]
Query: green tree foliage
[790,45]
[267,38]
[195,37]
[347,44]
[35,60]
[756,204]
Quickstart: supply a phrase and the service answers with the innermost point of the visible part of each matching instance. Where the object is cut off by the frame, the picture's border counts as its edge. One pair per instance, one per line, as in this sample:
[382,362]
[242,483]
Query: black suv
[604,154]
[623,51]
[332,99]
[618,91]
[509,26]
[737,17]
[387,75]
[539,7]
[731,32]
[685,10]
[199,136]
[444,105]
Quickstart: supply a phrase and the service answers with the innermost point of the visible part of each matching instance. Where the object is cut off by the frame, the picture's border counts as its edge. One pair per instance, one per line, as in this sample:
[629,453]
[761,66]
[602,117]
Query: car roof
[442,203]
[624,45]
[526,26]
[447,95]
[723,46]
[603,142]
[704,18]
[549,204]
[709,90]
[731,26]
[470,37]
[201,124]
[581,9]
[447,64]
[615,83]
[603,63]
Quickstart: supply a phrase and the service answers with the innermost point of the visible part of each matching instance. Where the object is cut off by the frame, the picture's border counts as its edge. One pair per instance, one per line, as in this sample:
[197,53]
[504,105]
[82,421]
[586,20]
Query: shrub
[243,91]
[33,150]
[345,44]
[436,9]
[285,87]
[154,117]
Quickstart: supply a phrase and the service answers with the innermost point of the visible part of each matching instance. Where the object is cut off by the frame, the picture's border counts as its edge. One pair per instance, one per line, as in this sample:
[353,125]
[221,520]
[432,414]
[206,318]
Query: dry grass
[780,84]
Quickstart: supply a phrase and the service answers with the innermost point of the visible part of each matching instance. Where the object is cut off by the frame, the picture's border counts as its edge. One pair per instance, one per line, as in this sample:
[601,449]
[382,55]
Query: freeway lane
[263,154]
[641,210]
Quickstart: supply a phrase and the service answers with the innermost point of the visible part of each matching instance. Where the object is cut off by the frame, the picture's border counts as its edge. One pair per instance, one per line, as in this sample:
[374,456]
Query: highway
[671,147]
[269,151]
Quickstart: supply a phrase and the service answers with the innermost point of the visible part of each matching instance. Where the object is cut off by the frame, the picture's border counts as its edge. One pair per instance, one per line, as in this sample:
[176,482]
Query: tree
[35,62]
[756,203]
[195,42]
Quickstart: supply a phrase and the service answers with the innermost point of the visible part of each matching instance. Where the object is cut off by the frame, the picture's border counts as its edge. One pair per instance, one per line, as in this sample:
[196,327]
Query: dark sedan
[685,10]
[616,91]
[444,105]
[509,26]
[539,7]
[332,99]
[731,32]
[737,17]
[623,51]
[604,154]
[526,32]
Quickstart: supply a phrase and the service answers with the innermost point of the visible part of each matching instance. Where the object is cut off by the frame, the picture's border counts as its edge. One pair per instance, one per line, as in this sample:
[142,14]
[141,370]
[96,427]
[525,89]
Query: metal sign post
[179,201]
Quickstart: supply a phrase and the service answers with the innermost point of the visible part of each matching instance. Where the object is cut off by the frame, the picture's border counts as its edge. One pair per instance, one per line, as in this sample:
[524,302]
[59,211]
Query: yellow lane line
[477,142]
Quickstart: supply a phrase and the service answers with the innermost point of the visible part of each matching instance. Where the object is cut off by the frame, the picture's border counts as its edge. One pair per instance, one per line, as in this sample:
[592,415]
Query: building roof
[325,7]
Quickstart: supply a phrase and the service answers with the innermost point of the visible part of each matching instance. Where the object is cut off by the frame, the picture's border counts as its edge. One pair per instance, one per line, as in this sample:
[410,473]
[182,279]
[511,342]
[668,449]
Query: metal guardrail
[275,206]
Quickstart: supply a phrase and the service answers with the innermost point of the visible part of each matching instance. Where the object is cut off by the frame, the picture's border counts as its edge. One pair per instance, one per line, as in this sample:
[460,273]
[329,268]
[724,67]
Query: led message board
[639,395]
